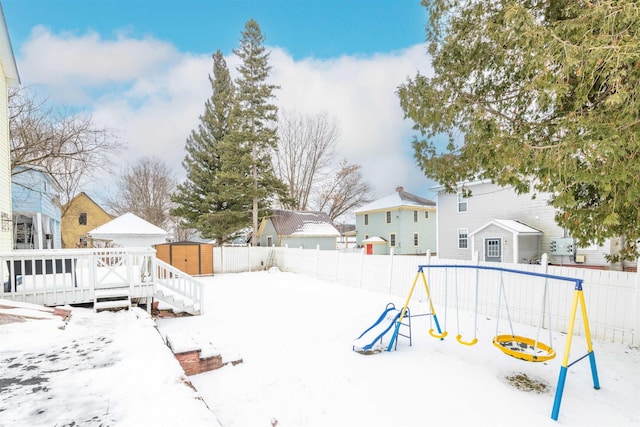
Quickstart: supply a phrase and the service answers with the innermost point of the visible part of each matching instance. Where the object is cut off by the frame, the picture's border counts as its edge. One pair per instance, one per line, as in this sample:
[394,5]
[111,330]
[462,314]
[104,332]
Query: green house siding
[298,229]
[403,226]
[324,243]
[269,232]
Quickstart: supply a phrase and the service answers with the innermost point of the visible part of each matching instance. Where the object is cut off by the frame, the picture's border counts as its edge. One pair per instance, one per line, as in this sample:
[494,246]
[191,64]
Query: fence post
[317,261]
[361,267]
[544,262]
[636,331]
[390,269]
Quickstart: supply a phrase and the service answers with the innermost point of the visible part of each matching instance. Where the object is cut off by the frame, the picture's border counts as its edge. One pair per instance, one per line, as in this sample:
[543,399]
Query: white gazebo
[129,231]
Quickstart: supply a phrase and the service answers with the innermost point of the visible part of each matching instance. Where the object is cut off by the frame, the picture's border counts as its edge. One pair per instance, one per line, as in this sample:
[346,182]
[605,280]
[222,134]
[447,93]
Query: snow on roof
[374,239]
[510,225]
[298,223]
[396,200]
[129,224]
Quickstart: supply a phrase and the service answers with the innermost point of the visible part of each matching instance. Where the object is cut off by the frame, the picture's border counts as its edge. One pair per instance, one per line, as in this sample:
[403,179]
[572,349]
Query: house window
[415,216]
[366,219]
[462,202]
[82,219]
[426,214]
[392,240]
[415,239]
[269,241]
[388,217]
[463,239]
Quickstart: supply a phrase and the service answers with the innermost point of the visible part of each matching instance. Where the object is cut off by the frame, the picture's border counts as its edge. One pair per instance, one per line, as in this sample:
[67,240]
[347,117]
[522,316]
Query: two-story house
[400,221]
[9,78]
[35,198]
[503,226]
[81,215]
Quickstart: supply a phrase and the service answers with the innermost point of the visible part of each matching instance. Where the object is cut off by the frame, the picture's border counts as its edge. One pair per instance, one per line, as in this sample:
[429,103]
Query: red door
[369,249]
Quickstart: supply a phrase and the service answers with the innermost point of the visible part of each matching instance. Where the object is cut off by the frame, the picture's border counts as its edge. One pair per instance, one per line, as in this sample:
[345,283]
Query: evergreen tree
[545,95]
[249,146]
[200,201]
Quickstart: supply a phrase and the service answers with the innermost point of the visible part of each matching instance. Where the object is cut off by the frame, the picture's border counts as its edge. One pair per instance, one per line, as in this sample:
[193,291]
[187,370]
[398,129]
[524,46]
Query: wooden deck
[91,276]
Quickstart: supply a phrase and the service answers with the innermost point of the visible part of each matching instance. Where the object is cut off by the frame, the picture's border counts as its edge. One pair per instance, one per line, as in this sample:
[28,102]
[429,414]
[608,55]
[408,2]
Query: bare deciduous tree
[306,148]
[345,191]
[144,189]
[69,146]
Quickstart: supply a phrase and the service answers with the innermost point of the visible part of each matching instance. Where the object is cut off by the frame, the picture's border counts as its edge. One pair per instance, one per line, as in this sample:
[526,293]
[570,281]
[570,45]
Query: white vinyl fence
[612,297]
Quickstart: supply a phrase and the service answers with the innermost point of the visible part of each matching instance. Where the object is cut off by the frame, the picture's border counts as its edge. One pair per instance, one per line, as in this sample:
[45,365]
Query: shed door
[369,249]
[185,258]
[493,250]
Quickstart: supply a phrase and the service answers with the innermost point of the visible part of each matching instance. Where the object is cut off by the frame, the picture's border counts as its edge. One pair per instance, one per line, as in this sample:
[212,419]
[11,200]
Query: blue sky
[141,67]
[320,29]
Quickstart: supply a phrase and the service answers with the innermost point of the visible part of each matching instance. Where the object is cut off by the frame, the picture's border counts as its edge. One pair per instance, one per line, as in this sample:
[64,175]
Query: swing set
[523,348]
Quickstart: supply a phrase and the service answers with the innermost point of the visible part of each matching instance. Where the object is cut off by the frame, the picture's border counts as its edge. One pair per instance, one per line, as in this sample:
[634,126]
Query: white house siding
[494,232]
[6,235]
[489,201]
[528,250]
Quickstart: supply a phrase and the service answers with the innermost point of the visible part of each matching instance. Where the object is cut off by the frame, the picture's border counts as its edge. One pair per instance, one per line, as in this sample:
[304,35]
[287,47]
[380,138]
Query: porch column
[39,230]
[516,250]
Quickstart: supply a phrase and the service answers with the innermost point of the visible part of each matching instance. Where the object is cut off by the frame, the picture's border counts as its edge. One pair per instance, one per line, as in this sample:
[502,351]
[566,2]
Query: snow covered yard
[294,334]
[105,369]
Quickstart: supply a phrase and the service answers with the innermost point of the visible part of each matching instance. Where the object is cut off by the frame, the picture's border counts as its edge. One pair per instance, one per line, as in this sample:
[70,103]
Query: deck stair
[178,289]
[178,302]
[111,297]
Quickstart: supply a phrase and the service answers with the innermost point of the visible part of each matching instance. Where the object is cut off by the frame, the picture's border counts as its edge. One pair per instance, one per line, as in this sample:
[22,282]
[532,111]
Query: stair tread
[112,292]
[100,305]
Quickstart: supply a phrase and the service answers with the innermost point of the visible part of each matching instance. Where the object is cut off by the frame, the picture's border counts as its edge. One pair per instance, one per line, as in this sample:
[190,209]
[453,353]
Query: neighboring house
[347,239]
[297,229]
[127,231]
[504,226]
[81,215]
[401,221]
[9,78]
[35,195]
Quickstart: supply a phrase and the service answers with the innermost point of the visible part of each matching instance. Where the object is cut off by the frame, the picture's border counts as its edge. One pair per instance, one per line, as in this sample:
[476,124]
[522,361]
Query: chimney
[399,189]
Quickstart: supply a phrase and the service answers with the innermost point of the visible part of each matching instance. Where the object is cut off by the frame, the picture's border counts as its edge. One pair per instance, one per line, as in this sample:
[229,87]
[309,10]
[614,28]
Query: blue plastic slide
[368,340]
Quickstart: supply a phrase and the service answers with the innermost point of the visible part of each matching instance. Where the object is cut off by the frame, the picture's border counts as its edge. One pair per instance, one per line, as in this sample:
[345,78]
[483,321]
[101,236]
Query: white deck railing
[70,276]
[179,288]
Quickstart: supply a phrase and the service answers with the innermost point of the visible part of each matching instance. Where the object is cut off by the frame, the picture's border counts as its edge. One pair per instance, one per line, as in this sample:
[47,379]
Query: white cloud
[153,96]
[360,93]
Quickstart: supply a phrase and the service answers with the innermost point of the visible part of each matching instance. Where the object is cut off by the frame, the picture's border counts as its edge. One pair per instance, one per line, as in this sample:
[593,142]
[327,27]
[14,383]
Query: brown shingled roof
[287,222]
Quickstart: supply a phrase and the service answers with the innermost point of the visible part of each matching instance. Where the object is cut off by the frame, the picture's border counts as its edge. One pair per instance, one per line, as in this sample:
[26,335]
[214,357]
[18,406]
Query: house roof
[463,184]
[6,54]
[397,199]
[38,169]
[86,196]
[374,239]
[128,224]
[300,223]
[512,226]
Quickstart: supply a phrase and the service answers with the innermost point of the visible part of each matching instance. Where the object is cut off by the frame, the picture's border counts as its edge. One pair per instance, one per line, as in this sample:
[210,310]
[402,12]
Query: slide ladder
[370,341]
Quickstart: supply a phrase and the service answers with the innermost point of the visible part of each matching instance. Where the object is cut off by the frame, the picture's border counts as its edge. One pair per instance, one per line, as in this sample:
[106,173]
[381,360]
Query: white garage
[128,231]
